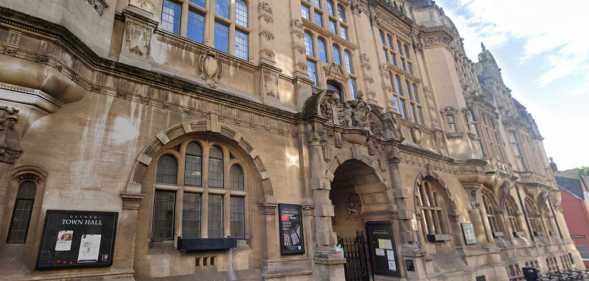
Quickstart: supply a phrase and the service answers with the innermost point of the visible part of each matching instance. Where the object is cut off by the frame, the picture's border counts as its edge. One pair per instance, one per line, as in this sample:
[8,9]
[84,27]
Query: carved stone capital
[132,201]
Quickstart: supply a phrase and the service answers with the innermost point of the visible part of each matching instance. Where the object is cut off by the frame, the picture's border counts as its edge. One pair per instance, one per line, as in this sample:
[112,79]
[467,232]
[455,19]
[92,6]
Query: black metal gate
[357,261]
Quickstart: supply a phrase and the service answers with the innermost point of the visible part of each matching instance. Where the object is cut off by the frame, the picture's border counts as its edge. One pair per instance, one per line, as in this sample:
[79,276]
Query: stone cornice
[72,44]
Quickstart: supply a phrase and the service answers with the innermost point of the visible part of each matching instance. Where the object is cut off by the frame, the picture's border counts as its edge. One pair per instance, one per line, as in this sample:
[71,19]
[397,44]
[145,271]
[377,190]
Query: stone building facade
[198,122]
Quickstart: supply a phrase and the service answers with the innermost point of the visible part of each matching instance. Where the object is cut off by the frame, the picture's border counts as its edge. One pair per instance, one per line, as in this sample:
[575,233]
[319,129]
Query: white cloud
[552,35]
[545,27]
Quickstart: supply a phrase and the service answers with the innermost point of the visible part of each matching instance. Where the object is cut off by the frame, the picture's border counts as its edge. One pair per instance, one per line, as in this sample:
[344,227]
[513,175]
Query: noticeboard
[470,237]
[77,239]
[382,248]
[292,240]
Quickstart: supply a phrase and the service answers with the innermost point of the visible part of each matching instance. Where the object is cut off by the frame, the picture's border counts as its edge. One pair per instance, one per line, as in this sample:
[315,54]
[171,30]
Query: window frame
[430,204]
[231,158]
[22,179]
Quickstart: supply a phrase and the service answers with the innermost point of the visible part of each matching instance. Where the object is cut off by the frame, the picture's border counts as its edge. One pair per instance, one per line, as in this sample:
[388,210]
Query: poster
[379,252]
[64,240]
[470,237]
[385,244]
[89,247]
[77,239]
[392,266]
[291,230]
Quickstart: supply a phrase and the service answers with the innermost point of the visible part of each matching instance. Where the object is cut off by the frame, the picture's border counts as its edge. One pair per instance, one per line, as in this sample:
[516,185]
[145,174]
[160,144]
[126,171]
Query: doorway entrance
[362,222]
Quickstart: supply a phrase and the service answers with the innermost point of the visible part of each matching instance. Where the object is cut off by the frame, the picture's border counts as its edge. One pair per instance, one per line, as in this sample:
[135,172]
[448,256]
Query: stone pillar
[126,231]
[475,212]
[329,263]
[10,151]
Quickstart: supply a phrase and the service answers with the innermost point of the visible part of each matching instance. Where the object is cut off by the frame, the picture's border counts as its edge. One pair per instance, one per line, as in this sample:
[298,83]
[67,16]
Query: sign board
[291,230]
[382,248]
[470,236]
[77,239]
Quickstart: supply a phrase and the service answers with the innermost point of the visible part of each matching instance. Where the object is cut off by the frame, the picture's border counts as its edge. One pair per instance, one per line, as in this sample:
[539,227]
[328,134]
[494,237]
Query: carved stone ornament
[265,12]
[270,83]
[334,71]
[353,204]
[353,114]
[99,6]
[210,68]
[145,5]
[10,149]
[138,39]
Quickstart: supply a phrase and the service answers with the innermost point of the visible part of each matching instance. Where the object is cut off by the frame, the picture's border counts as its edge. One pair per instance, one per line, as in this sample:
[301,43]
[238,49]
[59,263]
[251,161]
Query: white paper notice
[64,240]
[390,255]
[392,266]
[89,247]
[379,252]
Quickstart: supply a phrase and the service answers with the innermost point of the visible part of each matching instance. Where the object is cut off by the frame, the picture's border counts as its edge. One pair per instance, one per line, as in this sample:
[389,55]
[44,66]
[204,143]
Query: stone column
[329,263]
[475,212]
[126,231]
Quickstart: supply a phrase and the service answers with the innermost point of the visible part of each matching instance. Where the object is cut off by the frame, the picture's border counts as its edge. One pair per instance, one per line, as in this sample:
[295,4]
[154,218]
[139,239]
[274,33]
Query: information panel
[470,236]
[291,230]
[382,249]
[77,239]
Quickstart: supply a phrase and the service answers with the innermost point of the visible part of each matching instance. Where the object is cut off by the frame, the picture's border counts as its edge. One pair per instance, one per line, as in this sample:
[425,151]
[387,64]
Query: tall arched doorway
[363,222]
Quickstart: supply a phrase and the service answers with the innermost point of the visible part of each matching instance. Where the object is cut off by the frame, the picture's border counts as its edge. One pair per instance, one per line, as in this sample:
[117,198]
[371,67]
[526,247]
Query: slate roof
[572,185]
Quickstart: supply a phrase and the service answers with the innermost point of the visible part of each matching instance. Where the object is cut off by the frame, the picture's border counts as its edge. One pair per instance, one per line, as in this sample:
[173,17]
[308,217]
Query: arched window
[512,215]
[493,216]
[430,204]
[341,12]
[309,51]
[237,179]
[321,45]
[451,121]
[167,170]
[330,9]
[534,218]
[193,165]
[337,57]
[198,205]
[348,61]
[230,31]
[216,167]
[23,208]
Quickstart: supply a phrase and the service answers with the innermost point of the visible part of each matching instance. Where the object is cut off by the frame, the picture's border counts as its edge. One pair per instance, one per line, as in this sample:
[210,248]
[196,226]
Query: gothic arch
[341,158]
[427,173]
[209,125]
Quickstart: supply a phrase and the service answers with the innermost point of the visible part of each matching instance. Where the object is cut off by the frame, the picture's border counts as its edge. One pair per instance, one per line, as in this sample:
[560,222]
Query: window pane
[196,27]
[312,71]
[402,108]
[309,44]
[237,217]
[322,49]
[215,216]
[163,215]
[330,8]
[21,215]
[216,167]
[390,40]
[237,178]
[318,20]
[343,32]
[336,55]
[171,14]
[396,106]
[191,213]
[397,85]
[193,165]
[332,25]
[222,37]
[305,12]
[317,3]
[341,12]
[222,8]
[241,13]
[167,170]
[348,61]
[242,45]
[202,3]
[353,87]
[382,40]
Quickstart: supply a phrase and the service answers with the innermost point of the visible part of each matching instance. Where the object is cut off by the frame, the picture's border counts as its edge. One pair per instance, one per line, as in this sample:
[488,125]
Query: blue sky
[543,50]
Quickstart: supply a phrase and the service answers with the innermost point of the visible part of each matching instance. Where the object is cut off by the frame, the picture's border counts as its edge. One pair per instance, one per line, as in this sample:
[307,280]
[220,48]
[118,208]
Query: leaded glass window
[241,45]
[216,216]
[167,170]
[196,26]
[191,215]
[241,13]
[348,61]
[171,16]
[312,71]
[222,37]
[163,215]
[222,8]
[237,217]
[321,45]
[336,55]
[430,204]
[21,214]
[201,3]
[309,44]
[193,165]
[216,167]
[237,178]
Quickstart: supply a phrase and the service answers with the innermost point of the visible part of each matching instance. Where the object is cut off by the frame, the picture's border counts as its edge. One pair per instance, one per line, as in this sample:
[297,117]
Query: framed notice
[292,240]
[77,239]
[470,236]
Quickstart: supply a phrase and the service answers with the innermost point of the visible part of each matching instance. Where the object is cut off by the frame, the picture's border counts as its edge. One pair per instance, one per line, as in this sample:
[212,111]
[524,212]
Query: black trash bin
[530,274]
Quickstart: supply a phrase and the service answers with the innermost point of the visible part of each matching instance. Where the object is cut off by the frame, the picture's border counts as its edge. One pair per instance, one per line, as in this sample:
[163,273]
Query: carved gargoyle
[10,149]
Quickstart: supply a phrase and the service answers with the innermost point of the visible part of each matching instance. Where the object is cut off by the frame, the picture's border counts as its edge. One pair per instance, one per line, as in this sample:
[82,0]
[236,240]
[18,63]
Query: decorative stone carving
[265,11]
[138,39]
[269,36]
[270,83]
[10,149]
[99,6]
[145,5]
[353,204]
[334,71]
[416,135]
[210,68]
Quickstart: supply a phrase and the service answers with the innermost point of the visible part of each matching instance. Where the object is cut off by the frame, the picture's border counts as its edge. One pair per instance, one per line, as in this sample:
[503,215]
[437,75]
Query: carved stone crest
[145,5]
[138,39]
[10,149]
[210,68]
[99,6]
[265,11]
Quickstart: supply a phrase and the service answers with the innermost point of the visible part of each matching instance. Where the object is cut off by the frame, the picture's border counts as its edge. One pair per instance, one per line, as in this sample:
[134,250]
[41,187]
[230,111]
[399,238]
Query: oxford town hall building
[264,140]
